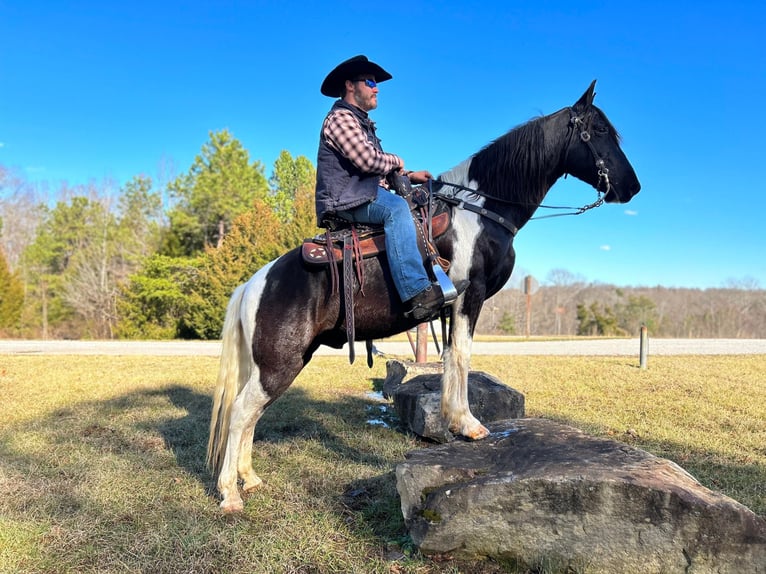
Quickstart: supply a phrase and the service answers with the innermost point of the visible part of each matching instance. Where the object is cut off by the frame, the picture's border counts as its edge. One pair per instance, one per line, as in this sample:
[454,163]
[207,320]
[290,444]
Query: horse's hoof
[232,507]
[252,485]
[477,433]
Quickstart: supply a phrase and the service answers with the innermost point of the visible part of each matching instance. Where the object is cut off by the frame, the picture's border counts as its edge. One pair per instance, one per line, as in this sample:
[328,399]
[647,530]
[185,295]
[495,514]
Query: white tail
[233,373]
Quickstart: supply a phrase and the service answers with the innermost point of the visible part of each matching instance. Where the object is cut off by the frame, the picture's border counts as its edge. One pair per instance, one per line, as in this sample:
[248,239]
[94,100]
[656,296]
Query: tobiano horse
[276,321]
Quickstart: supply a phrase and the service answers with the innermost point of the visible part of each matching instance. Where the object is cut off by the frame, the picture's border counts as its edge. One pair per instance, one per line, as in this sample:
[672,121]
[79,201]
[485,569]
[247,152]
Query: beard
[366,101]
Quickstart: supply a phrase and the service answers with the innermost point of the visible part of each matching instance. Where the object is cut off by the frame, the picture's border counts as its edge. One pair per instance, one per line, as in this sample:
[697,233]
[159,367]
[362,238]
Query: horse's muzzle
[622,194]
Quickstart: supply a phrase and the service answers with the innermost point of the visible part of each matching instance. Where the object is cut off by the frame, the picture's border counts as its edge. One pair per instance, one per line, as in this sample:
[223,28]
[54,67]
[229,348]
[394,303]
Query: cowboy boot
[427,304]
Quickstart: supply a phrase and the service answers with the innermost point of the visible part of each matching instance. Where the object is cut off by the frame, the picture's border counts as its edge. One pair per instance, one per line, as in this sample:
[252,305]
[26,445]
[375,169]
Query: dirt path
[613,347]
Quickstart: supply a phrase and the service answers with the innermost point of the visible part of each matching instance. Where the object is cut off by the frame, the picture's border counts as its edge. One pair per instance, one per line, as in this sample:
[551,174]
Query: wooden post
[528,292]
[644,350]
[421,352]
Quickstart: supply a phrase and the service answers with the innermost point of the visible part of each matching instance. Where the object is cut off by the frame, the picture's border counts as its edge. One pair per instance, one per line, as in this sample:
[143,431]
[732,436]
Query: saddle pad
[313,251]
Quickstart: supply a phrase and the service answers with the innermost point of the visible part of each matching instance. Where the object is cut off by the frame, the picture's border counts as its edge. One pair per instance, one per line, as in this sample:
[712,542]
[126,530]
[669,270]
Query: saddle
[371,241]
[350,243]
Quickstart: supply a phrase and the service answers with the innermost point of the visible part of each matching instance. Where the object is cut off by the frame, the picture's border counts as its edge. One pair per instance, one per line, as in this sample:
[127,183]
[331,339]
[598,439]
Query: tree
[565,286]
[252,242]
[84,249]
[21,210]
[292,198]
[61,233]
[154,302]
[597,320]
[221,184]
[11,295]
[507,324]
[94,272]
[639,310]
[139,221]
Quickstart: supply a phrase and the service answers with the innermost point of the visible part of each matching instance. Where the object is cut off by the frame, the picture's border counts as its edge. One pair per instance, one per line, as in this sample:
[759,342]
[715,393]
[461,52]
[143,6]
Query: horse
[277,319]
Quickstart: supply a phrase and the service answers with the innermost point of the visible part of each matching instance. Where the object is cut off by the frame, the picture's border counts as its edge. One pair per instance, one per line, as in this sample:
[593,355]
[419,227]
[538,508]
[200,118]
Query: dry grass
[101,458]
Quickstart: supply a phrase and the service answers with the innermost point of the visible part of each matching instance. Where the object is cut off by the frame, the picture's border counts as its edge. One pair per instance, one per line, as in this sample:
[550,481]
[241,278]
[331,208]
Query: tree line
[567,305]
[159,261]
[147,260]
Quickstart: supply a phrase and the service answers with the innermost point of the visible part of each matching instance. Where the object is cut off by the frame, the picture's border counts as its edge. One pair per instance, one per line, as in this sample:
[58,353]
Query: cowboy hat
[335,81]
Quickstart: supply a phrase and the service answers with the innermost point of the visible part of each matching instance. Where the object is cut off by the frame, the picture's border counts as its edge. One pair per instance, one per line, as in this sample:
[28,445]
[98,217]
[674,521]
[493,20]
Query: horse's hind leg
[245,412]
[245,470]
[454,403]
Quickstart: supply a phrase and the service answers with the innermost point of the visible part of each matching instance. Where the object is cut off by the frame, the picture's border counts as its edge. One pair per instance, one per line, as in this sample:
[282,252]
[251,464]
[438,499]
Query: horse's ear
[586,101]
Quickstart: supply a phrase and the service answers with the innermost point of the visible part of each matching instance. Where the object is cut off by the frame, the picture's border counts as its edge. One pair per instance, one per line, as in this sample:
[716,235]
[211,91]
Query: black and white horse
[277,320]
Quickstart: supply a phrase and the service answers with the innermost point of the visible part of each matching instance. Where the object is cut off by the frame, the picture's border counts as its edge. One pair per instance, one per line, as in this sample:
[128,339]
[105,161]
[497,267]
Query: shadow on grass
[145,437]
[160,430]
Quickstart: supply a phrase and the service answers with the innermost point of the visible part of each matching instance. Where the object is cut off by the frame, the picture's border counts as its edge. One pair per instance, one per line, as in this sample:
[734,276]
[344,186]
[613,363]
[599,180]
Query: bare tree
[20,214]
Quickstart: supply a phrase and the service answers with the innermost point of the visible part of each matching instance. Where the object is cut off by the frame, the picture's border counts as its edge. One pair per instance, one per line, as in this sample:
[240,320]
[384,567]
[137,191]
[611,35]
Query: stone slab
[538,490]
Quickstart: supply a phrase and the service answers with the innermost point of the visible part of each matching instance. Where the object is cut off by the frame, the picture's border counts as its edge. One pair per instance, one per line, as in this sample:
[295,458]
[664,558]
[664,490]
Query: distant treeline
[579,308]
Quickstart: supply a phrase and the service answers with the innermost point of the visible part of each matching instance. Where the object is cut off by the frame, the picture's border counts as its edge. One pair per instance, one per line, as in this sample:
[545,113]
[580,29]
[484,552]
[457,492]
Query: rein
[577,122]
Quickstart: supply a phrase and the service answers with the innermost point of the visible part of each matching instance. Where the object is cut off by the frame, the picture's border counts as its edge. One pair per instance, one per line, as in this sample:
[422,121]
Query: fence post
[421,352]
[644,347]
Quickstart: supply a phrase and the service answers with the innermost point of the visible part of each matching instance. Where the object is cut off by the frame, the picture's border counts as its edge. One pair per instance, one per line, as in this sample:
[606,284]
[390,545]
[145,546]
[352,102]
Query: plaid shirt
[344,134]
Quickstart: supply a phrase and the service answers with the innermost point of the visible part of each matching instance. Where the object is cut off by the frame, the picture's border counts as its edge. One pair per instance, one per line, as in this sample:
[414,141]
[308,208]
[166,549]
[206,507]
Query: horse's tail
[233,373]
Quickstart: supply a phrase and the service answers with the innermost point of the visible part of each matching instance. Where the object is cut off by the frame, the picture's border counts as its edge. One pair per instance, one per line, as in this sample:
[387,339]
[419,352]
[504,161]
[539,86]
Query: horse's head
[594,154]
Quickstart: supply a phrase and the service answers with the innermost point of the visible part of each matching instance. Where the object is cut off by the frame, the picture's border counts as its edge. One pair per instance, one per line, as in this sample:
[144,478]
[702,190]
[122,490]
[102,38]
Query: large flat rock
[536,490]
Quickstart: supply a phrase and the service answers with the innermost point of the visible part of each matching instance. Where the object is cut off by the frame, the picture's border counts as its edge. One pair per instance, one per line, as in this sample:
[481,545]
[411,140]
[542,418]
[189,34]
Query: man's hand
[421,176]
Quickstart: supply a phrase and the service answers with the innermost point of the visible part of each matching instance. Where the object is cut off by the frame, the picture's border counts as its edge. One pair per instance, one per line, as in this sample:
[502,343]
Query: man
[351,167]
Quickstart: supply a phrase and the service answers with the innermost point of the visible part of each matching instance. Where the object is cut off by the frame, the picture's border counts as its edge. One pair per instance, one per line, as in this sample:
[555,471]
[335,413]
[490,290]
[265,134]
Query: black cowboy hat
[335,81]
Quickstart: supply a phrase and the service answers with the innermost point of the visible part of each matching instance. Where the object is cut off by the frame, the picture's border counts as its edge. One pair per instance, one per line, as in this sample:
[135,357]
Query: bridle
[582,123]
[580,126]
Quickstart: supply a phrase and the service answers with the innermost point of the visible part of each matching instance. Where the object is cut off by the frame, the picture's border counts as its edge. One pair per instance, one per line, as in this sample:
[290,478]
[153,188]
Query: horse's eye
[600,130]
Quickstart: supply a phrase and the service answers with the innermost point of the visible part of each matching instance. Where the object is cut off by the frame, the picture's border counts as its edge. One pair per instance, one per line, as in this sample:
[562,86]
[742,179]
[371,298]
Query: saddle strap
[348,292]
[334,279]
[431,252]
[358,259]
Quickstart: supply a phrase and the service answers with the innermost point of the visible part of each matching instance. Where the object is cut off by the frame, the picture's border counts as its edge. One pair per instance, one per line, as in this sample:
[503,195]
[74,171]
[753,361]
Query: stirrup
[449,291]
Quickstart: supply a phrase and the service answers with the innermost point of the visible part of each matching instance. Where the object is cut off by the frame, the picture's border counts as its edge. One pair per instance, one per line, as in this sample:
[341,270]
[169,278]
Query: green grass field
[102,458]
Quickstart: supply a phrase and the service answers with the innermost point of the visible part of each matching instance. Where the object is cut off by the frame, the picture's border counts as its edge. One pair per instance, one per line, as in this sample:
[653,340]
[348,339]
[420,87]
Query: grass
[101,458]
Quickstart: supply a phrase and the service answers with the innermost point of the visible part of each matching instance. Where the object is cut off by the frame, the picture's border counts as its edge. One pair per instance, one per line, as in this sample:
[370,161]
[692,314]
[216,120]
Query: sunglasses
[369,83]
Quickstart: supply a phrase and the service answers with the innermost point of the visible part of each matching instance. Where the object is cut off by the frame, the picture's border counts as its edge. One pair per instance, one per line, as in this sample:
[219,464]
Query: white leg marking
[457,364]
[457,357]
[246,407]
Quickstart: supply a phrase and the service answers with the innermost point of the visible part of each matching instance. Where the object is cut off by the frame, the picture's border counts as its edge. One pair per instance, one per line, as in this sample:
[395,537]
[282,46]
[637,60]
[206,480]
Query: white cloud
[631,212]
[605,248]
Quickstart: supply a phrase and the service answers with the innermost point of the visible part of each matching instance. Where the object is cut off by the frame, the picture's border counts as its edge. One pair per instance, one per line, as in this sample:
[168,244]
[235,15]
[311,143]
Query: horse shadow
[295,416]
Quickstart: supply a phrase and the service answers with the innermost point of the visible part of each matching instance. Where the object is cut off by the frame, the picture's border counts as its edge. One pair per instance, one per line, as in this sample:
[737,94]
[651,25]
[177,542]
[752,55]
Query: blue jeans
[404,258]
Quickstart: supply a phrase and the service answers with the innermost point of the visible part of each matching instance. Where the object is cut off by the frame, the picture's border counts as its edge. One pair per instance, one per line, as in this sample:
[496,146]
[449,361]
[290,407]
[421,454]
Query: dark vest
[340,185]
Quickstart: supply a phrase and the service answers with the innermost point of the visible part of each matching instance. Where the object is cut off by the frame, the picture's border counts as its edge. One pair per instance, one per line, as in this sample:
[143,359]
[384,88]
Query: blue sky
[95,91]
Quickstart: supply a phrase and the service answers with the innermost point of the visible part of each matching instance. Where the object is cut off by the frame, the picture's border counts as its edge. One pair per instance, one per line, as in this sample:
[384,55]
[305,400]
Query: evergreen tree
[639,310]
[597,320]
[140,220]
[252,242]
[154,302]
[289,178]
[221,185]
[11,296]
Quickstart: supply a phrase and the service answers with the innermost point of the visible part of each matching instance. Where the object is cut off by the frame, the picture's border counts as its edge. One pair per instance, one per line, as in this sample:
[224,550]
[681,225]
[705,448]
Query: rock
[418,400]
[399,372]
[536,491]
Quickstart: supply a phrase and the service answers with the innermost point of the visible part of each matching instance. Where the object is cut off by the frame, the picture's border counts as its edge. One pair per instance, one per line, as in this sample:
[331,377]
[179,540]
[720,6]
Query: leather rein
[580,127]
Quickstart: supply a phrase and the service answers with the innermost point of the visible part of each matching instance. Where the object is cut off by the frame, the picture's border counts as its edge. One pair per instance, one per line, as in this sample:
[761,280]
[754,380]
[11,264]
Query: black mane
[513,166]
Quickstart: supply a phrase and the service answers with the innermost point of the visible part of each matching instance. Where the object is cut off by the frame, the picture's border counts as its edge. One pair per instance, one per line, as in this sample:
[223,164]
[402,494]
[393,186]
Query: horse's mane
[512,167]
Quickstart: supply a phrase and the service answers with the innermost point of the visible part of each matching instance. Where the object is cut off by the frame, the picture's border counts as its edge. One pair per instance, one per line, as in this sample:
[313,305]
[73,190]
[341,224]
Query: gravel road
[609,347]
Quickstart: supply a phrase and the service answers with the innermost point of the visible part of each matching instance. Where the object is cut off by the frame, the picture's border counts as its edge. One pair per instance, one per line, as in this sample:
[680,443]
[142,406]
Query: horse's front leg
[457,363]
